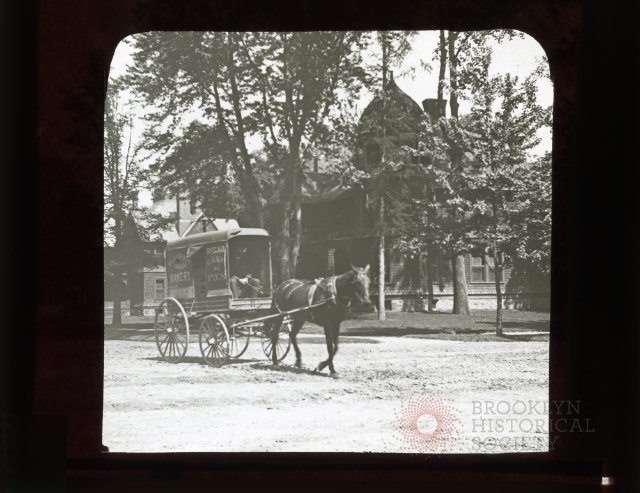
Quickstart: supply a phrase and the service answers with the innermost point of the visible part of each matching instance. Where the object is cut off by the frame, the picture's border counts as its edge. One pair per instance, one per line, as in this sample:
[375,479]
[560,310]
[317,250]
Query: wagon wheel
[214,340]
[283,343]
[239,340]
[171,329]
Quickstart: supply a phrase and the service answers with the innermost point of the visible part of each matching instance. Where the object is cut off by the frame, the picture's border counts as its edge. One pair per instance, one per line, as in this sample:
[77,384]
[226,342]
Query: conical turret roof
[398,102]
[401,118]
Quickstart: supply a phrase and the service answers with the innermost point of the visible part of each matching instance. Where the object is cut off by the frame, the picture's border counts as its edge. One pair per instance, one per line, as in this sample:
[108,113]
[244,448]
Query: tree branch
[264,91]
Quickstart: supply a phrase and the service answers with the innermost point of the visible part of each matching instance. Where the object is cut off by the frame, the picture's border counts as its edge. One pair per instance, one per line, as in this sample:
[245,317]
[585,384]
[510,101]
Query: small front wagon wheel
[239,340]
[282,341]
[214,340]
[171,330]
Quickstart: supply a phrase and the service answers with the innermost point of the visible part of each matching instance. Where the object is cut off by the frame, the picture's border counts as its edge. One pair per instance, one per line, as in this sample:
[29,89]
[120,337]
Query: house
[338,231]
[144,282]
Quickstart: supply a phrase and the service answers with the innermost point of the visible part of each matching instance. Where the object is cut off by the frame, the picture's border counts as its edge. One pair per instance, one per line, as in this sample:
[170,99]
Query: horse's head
[360,282]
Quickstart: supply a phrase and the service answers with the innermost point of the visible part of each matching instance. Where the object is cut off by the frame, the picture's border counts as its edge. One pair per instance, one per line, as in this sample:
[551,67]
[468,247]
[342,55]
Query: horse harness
[297,284]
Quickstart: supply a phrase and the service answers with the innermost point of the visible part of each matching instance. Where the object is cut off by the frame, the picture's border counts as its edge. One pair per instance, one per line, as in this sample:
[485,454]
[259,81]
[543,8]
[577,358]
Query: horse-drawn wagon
[221,283]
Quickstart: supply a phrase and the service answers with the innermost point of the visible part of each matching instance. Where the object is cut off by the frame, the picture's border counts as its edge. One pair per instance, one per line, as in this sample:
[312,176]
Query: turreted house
[338,227]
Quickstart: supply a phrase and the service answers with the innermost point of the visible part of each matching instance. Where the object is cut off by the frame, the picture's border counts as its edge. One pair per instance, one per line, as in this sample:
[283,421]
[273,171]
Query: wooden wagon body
[221,281]
[210,271]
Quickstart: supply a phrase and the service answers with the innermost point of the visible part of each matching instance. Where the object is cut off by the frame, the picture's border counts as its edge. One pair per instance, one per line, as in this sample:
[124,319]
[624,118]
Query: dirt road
[153,406]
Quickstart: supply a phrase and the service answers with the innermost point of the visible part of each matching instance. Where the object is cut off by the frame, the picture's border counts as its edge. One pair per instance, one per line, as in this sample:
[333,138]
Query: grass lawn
[480,325]
[479,321]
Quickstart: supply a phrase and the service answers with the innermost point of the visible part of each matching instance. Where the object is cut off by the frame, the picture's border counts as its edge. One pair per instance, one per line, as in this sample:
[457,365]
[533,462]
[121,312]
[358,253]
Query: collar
[332,284]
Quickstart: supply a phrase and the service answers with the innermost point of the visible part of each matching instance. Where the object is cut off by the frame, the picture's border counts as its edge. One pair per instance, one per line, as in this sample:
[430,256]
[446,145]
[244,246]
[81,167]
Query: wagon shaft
[279,314]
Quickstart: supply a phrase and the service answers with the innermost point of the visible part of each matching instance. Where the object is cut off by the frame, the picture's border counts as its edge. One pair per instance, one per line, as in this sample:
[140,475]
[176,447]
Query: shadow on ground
[288,369]
[305,339]
[199,360]
[430,331]
[535,325]
[483,337]
[526,337]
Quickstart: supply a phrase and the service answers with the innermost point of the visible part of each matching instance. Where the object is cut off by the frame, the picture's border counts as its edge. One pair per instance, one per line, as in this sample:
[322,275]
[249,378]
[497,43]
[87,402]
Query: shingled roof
[399,101]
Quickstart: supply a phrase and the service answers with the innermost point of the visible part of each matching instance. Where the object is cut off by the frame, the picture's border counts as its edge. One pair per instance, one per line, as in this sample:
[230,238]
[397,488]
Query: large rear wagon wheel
[171,330]
[214,340]
[282,344]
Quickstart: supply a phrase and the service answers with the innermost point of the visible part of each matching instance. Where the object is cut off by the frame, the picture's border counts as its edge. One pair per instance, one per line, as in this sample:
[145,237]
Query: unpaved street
[248,405]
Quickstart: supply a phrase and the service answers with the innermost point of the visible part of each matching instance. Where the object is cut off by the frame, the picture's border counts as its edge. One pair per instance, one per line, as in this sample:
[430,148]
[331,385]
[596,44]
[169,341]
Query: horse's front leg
[335,331]
[328,337]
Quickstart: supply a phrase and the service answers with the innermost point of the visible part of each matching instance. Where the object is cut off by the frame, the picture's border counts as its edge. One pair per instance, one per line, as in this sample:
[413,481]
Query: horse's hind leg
[295,328]
[328,337]
[275,330]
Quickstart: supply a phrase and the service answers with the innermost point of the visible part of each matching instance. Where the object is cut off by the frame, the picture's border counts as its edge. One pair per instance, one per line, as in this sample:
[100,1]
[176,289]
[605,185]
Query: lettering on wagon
[179,269]
[216,266]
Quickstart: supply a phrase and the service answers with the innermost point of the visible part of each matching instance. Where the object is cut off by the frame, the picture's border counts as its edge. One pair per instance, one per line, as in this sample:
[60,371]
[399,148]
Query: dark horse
[331,297]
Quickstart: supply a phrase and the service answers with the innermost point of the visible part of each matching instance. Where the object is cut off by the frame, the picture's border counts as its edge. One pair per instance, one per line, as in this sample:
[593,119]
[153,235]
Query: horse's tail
[268,324]
[274,303]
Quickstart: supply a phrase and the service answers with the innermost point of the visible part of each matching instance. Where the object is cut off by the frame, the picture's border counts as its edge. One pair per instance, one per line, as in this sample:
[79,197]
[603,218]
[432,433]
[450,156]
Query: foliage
[237,91]
[200,163]
[530,218]
[385,135]
[476,165]
[485,193]
[126,223]
[468,53]
[440,214]
[128,227]
[478,203]
[505,121]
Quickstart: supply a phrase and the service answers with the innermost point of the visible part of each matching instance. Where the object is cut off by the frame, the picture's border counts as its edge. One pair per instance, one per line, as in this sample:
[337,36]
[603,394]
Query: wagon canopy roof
[214,237]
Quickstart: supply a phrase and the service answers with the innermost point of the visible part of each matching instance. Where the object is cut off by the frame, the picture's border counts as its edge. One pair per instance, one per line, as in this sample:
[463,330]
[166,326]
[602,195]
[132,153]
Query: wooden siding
[150,287]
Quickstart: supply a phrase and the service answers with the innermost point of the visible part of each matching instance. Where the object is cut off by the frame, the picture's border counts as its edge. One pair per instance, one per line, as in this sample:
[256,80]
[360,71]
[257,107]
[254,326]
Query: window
[159,291]
[482,270]
[478,270]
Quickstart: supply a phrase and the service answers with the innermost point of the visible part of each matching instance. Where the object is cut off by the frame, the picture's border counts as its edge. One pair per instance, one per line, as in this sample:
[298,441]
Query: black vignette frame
[56,370]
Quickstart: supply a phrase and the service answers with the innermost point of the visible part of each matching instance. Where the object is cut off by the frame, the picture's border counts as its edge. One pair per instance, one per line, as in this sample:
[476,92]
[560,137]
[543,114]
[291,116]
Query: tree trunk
[116,320]
[247,179]
[460,296]
[253,201]
[284,243]
[290,238]
[240,161]
[453,74]
[296,235]
[497,265]
[291,218]
[441,74]
[382,314]
[296,205]
[430,276]
[442,48]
